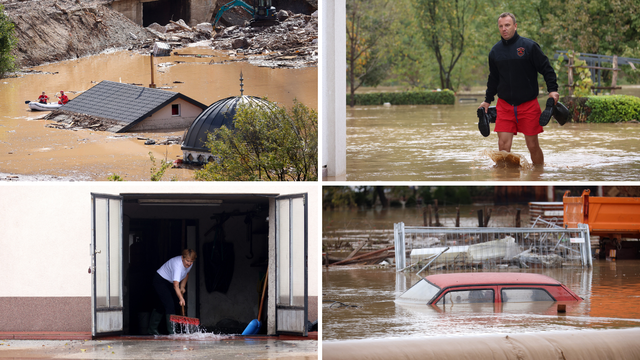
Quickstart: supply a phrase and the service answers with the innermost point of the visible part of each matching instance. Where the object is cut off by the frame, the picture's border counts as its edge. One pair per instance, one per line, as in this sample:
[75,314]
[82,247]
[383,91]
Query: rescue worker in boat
[63,98]
[170,282]
[42,99]
[514,64]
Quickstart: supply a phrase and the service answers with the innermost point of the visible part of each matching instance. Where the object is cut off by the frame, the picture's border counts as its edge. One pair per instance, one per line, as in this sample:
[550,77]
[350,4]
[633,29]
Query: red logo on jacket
[520,51]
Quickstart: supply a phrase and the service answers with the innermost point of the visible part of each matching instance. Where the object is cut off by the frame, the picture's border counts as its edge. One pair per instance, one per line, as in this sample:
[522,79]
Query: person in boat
[42,99]
[514,64]
[63,98]
[170,282]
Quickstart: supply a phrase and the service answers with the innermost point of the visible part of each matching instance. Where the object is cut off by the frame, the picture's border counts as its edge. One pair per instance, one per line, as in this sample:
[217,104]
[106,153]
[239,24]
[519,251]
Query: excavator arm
[230,5]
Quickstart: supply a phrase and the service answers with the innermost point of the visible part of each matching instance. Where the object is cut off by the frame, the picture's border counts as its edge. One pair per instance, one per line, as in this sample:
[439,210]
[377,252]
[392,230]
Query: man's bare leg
[537,157]
[504,141]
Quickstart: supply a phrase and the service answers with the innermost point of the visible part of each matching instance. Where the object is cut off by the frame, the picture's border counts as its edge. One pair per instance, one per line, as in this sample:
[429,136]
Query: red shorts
[523,118]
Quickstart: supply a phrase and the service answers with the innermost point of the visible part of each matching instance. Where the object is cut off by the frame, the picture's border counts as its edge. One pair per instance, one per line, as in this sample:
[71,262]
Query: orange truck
[611,218]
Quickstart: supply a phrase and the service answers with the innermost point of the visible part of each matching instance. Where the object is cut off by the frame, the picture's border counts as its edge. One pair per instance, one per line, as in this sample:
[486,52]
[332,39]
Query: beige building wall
[163,120]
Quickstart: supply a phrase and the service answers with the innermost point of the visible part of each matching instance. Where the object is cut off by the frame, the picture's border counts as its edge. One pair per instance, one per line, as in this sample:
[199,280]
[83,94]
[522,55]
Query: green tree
[594,26]
[274,144]
[8,41]
[445,25]
[368,23]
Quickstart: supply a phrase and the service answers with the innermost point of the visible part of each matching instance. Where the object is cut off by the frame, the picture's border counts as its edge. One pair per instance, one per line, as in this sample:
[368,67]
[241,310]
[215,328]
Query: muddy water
[413,143]
[610,290]
[27,147]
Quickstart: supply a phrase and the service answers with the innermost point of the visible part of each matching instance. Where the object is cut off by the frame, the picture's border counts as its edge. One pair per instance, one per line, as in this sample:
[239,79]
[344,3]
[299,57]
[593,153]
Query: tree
[444,26]
[593,26]
[368,22]
[274,144]
[8,41]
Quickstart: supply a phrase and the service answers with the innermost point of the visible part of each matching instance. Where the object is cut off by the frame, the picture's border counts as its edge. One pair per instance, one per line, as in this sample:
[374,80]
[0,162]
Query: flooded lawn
[420,143]
[27,147]
[358,303]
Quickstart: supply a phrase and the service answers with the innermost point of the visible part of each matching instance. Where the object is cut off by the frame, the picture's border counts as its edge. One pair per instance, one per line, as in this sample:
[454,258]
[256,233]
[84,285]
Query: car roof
[489,278]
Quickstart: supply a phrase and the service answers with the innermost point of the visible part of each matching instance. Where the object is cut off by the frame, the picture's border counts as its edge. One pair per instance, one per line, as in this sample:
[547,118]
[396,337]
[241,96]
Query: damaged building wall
[164,119]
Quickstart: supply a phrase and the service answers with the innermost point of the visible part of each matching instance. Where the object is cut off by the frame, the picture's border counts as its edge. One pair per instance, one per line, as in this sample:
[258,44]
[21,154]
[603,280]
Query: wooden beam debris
[371,256]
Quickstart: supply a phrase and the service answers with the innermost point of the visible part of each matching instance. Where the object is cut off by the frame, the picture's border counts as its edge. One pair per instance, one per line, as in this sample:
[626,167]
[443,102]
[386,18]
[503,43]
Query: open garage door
[291,271]
[106,265]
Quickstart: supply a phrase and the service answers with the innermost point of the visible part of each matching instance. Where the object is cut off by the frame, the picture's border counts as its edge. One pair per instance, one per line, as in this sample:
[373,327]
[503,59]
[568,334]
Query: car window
[525,295]
[421,292]
[466,297]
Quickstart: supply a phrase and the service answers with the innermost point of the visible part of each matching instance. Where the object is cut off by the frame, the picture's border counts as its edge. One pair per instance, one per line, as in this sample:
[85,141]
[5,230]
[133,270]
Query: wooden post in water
[480,221]
[457,217]
[152,85]
[424,216]
[487,218]
[429,210]
[614,77]
[437,216]
[518,218]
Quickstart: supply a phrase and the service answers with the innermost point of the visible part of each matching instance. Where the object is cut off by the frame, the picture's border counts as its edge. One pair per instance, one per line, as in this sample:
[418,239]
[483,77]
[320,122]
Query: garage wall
[45,234]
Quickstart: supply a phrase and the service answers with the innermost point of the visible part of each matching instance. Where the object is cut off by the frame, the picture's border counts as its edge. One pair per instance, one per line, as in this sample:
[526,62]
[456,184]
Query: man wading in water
[513,66]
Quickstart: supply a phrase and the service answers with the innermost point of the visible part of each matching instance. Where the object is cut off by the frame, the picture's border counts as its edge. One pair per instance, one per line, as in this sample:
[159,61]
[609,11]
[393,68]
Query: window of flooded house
[175,110]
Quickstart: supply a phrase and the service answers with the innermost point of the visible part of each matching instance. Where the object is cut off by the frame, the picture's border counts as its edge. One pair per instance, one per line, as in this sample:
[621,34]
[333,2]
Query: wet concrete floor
[29,148]
[215,347]
[359,303]
[422,143]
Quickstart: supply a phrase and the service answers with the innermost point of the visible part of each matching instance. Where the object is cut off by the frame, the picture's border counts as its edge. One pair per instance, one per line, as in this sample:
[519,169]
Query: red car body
[486,287]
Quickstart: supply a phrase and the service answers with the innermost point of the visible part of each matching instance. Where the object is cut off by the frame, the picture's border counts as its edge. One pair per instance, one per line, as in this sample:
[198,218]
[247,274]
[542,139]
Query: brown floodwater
[359,303]
[442,143]
[28,147]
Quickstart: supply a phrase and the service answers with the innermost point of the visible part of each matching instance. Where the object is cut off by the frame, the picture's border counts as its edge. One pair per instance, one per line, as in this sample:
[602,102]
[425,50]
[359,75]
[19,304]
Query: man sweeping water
[514,64]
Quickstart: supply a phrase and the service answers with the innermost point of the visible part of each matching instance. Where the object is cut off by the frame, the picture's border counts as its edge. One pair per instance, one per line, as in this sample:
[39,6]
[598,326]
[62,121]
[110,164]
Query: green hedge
[445,97]
[603,109]
[613,108]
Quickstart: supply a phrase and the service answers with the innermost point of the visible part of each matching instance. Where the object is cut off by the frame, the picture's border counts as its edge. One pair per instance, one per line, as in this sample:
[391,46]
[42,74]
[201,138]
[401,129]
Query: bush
[445,97]
[613,108]
[603,109]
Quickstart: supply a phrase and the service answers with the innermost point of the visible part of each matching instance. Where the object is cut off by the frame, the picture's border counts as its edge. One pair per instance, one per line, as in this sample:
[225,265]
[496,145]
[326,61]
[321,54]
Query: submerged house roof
[125,104]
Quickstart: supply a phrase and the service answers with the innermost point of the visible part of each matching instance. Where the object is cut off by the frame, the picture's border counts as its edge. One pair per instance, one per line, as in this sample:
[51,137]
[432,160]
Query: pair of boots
[154,321]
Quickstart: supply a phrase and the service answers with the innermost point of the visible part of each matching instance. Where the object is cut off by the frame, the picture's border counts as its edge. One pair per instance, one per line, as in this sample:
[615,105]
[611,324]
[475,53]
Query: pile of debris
[178,33]
[291,43]
[73,121]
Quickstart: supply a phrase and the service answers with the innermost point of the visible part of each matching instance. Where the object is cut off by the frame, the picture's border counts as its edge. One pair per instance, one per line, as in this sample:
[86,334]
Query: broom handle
[264,288]
[182,310]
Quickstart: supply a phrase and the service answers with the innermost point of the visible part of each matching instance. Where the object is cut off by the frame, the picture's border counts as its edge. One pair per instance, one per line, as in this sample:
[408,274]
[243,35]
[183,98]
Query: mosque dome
[214,117]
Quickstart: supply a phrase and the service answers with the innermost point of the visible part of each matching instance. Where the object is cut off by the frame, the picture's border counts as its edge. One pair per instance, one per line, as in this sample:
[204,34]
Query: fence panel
[490,248]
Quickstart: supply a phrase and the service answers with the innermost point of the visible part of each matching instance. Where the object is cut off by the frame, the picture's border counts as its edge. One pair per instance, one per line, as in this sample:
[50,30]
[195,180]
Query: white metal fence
[489,248]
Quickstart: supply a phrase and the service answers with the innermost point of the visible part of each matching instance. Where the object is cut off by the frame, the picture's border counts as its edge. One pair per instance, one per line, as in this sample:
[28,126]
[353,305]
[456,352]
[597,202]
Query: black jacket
[513,68]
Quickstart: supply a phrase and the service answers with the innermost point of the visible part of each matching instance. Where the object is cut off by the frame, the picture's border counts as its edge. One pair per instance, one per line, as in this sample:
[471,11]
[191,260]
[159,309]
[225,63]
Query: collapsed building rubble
[293,42]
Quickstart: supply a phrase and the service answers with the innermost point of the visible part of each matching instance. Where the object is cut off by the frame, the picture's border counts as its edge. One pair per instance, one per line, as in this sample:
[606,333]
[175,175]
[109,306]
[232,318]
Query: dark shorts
[523,118]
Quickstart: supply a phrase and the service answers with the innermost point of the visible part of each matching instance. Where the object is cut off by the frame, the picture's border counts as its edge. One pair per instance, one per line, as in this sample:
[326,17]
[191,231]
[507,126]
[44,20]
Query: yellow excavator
[263,14]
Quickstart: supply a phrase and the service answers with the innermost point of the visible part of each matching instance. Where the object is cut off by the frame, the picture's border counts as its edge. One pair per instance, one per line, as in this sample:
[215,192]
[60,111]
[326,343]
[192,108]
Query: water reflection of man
[514,64]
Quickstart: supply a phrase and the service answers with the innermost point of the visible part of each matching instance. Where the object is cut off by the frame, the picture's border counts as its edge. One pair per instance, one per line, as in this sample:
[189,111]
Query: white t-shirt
[173,270]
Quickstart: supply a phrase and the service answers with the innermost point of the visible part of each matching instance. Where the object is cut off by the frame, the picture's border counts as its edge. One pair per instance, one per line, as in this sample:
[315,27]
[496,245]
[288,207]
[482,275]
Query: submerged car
[467,288]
